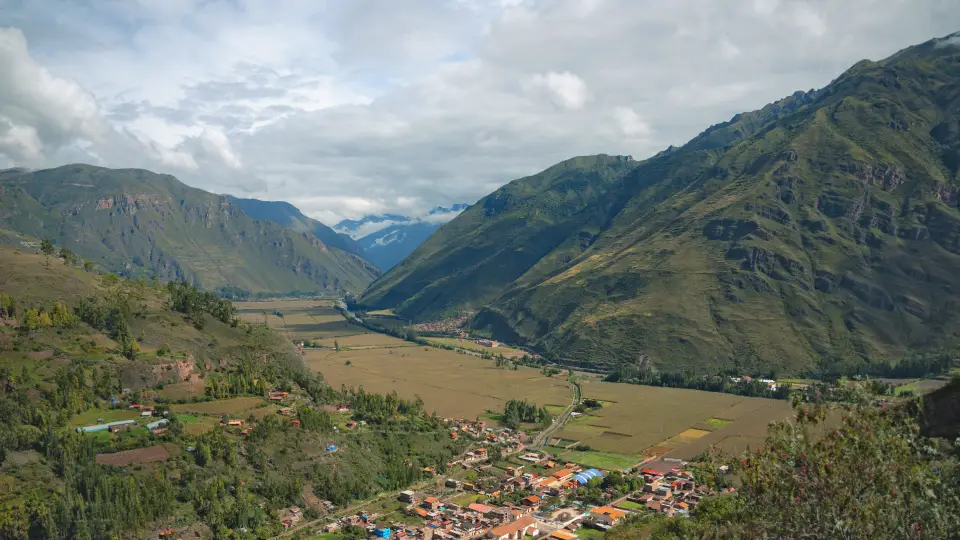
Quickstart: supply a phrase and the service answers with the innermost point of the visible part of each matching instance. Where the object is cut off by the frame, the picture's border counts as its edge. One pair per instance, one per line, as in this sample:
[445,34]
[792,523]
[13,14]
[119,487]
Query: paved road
[559,422]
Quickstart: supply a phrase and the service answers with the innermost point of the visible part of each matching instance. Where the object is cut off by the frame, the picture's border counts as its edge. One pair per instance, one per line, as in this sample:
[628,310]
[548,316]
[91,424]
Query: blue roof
[585,476]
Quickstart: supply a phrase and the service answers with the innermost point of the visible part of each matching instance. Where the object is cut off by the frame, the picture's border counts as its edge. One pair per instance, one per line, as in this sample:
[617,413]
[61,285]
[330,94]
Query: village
[537,497]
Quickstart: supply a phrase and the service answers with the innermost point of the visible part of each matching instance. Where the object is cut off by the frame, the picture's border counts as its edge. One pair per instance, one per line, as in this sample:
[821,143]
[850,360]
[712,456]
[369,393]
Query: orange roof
[481,508]
[608,511]
[512,527]
[561,473]
[431,500]
[562,535]
[682,505]
[532,498]
[422,513]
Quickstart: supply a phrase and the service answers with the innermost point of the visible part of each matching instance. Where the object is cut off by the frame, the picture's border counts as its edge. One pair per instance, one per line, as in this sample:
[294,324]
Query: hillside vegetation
[135,222]
[79,348]
[819,233]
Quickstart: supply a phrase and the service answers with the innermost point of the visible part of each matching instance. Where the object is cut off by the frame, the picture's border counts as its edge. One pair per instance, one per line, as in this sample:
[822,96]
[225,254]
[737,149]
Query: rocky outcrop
[882,175]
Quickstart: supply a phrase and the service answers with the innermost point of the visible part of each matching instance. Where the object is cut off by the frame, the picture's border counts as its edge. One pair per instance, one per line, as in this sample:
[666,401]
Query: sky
[353,107]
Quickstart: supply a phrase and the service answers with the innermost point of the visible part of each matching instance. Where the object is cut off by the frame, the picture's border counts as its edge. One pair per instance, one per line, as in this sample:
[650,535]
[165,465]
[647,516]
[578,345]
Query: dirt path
[559,422]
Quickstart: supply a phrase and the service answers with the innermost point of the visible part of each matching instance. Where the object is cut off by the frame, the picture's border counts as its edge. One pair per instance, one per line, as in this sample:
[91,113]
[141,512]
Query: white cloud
[631,124]
[373,106]
[565,89]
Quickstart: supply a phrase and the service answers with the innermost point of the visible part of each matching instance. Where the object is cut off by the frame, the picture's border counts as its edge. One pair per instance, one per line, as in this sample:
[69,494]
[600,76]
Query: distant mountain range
[387,239]
[820,233]
[136,222]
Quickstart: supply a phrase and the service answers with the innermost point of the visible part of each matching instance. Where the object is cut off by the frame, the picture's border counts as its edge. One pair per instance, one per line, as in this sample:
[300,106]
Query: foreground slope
[78,349]
[135,221]
[818,233]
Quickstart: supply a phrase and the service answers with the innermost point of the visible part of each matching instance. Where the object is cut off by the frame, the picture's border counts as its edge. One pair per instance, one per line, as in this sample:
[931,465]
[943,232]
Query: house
[563,475]
[286,411]
[279,396]
[515,530]
[432,503]
[451,483]
[607,515]
[407,496]
[532,500]
[562,535]
[235,423]
[145,414]
[481,509]
[487,343]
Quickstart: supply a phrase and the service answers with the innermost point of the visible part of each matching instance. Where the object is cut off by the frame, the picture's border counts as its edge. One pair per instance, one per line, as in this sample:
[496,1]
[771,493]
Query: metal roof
[585,476]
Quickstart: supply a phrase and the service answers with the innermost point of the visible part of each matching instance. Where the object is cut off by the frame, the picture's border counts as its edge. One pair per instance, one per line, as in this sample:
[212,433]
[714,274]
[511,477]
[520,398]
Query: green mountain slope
[137,222]
[288,215]
[820,232]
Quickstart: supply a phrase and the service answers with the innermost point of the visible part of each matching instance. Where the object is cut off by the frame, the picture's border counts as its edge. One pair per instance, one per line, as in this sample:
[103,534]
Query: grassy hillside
[818,233]
[79,348]
[139,223]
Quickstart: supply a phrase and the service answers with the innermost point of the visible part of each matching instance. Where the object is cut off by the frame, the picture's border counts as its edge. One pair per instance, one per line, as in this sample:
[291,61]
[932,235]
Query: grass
[468,344]
[465,499]
[232,406]
[630,505]
[589,534]
[599,460]
[717,423]
[89,418]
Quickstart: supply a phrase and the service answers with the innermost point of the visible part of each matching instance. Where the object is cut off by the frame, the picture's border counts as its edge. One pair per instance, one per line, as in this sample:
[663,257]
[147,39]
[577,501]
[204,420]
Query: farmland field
[140,455]
[600,460]
[672,422]
[233,406]
[450,383]
[473,346]
[301,319]
[365,340]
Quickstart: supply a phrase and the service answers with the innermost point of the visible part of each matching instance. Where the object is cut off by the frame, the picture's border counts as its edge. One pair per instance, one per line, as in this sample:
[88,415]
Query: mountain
[288,215]
[387,239]
[140,223]
[819,233]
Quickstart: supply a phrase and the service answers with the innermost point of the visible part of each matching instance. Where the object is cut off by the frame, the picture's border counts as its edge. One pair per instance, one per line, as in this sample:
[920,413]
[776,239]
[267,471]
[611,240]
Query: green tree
[87,265]
[66,255]
[61,316]
[8,306]
[46,246]
[31,319]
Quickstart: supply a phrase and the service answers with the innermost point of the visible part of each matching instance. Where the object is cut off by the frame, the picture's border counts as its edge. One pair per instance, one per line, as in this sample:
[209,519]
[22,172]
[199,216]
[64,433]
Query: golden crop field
[302,319]
[452,384]
[670,421]
[368,340]
[471,344]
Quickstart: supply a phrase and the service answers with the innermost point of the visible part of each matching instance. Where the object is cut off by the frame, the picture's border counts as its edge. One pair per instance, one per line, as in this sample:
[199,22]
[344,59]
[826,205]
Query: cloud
[564,89]
[373,106]
[40,112]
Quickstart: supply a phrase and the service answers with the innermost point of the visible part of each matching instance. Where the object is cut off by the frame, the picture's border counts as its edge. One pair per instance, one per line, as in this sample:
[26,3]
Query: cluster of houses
[673,492]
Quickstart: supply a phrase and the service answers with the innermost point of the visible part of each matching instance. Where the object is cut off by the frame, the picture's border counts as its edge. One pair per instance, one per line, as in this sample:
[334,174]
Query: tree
[31,319]
[44,319]
[8,306]
[336,345]
[61,316]
[66,255]
[87,265]
[46,246]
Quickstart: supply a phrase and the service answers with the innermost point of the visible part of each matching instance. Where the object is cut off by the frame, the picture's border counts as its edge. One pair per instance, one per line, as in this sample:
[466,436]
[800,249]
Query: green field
[232,406]
[717,423]
[599,460]
[630,505]
[89,418]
